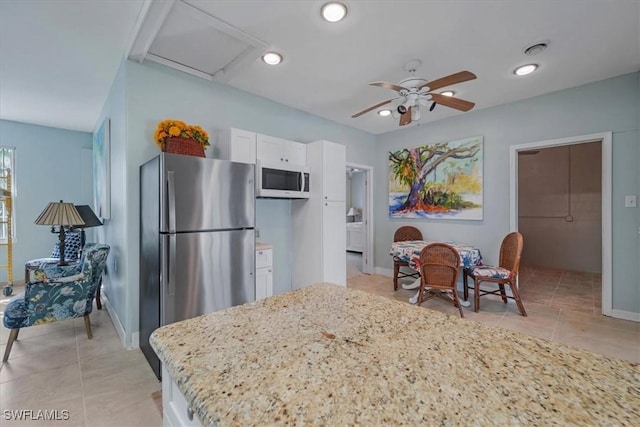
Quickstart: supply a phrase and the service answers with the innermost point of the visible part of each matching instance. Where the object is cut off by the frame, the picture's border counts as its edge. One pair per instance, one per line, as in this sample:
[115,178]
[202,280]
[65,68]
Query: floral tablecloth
[409,251]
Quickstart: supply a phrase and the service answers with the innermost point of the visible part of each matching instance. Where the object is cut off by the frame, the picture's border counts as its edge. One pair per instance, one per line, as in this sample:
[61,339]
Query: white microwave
[282,181]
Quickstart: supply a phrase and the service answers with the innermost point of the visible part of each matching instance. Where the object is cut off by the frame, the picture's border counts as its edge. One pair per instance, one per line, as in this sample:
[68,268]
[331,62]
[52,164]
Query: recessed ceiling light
[447,93]
[384,113]
[272,58]
[525,69]
[334,11]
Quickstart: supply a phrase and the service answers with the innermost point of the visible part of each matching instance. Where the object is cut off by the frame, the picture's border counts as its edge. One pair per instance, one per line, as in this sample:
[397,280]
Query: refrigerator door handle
[171,201]
[171,265]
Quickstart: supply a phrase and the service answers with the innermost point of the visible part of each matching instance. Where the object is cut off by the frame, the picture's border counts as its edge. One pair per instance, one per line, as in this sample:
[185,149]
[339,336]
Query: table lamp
[60,214]
[90,220]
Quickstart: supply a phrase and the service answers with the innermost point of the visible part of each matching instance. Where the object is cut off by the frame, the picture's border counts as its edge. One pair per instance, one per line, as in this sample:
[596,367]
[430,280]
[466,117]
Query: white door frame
[367,218]
[605,138]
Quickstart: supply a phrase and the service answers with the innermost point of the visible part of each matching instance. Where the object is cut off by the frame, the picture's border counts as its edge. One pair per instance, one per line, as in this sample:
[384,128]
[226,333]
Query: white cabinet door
[333,167]
[273,150]
[237,145]
[295,153]
[264,273]
[270,149]
[264,282]
[355,238]
[176,412]
[334,243]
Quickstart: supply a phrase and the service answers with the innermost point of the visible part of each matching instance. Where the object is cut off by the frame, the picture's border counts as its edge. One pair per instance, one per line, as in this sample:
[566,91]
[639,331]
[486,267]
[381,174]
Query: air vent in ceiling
[181,36]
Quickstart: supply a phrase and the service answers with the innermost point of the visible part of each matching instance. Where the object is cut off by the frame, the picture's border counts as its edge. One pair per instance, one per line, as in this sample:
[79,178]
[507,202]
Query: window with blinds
[7,193]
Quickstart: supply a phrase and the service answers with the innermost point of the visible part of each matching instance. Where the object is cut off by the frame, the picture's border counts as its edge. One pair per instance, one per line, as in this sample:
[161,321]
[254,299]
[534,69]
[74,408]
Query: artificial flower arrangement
[176,128]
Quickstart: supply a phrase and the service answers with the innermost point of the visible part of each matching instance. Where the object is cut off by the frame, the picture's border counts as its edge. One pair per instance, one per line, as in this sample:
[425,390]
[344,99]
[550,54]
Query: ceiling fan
[416,92]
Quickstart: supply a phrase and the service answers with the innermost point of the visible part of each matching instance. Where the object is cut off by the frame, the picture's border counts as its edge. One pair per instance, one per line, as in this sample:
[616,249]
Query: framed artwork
[442,181]
[102,171]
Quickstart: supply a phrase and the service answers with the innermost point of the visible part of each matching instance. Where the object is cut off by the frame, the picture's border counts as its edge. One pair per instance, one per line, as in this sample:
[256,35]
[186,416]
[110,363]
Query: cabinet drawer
[264,258]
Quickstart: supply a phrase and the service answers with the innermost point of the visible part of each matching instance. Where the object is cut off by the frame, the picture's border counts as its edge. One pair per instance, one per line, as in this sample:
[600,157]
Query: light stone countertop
[260,246]
[327,355]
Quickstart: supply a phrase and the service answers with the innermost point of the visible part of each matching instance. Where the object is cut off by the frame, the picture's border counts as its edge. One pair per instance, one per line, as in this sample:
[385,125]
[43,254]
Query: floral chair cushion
[72,243]
[488,271]
[56,296]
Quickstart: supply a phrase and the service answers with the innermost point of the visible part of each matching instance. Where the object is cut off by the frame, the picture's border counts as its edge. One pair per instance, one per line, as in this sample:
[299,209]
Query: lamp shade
[351,212]
[90,219]
[59,213]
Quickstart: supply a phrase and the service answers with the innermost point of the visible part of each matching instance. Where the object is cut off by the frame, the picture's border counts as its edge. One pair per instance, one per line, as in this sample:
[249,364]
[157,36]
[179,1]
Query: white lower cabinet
[355,237]
[175,409]
[264,273]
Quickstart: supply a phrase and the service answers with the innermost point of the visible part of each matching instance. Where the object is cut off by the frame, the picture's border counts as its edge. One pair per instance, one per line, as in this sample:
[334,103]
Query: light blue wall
[116,232]
[608,105]
[51,164]
[151,93]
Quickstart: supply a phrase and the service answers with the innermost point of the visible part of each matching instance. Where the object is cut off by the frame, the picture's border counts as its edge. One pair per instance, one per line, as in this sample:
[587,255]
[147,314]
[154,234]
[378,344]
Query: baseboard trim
[626,315]
[115,320]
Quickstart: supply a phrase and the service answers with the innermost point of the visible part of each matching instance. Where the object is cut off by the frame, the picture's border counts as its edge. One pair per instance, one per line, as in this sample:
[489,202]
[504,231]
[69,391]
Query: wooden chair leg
[516,296]
[465,280]
[12,337]
[98,301]
[476,294]
[503,294]
[457,302]
[396,270]
[87,326]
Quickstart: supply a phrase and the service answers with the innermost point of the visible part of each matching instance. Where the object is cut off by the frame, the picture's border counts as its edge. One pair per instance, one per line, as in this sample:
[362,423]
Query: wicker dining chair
[404,234]
[439,265]
[506,273]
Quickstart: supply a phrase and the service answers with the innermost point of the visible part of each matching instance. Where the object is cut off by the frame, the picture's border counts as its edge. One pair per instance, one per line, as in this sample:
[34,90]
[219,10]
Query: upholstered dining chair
[439,265]
[57,293]
[404,234]
[506,273]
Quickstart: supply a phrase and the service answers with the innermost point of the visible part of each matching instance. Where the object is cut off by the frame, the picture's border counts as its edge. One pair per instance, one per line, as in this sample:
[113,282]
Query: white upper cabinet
[273,150]
[237,145]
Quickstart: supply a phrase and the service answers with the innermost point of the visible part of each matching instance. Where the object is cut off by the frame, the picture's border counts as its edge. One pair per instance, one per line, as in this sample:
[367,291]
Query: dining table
[409,251]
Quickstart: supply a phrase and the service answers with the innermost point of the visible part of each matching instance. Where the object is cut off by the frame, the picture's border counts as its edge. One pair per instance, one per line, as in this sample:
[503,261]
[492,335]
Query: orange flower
[170,127]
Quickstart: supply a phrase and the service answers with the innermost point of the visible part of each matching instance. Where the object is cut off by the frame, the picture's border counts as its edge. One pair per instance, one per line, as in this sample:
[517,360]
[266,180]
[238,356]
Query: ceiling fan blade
[405,118]
[460,77]
[387,85]
[372,108]
[450,101]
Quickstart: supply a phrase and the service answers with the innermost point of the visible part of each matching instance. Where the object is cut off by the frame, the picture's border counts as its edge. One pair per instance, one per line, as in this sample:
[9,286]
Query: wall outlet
[630,201]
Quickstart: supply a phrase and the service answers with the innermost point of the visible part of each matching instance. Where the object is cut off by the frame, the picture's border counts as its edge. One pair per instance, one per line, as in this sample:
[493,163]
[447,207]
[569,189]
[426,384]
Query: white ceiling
[58,58]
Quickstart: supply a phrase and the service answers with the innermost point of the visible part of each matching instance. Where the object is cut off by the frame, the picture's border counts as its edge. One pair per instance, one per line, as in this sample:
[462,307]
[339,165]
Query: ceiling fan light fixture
[334,11]
[448,93]
[272,58]
[384,113]
[525,69]
[415,113]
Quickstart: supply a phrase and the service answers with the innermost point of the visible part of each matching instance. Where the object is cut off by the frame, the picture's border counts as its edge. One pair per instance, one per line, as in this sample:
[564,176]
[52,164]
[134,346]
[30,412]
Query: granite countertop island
[327,355]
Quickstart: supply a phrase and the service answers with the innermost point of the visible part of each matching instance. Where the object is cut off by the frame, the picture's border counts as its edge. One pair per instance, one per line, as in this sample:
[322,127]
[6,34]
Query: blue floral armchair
[57,293]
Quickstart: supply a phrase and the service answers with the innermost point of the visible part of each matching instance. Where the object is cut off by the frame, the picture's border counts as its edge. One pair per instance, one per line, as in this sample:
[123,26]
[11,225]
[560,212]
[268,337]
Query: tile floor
[100,383]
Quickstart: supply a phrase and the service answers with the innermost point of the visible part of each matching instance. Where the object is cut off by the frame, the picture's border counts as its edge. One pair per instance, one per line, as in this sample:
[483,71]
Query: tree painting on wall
[101,171]
[441,181]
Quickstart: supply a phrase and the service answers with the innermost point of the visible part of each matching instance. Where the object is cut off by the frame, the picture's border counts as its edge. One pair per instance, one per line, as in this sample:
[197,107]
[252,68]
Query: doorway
[359,212]
[551,213]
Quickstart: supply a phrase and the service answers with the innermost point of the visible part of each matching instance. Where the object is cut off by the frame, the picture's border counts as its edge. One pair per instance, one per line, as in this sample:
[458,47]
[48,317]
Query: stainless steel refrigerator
[197,240]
